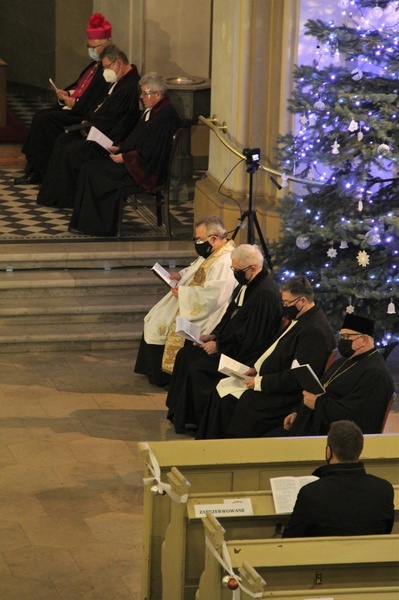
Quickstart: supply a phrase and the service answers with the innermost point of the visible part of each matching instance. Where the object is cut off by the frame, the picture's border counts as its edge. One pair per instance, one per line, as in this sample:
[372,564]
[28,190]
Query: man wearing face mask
[245,330]
[115,116]
[76,101]
[345,500]
[201,296]
[258,404]
[358,386]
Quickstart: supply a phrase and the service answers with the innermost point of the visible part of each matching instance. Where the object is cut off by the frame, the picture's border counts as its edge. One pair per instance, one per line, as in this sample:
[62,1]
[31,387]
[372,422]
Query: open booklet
[307,378]
[188,331]
[285,491]
[60,102]
[231,367]
[95,135]
[163,274]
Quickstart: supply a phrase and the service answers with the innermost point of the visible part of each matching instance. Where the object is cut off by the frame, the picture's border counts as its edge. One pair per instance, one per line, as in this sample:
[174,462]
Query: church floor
[70,474]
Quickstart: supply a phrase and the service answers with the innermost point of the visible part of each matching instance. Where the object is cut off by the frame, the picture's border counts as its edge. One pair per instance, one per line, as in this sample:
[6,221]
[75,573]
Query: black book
[307,379]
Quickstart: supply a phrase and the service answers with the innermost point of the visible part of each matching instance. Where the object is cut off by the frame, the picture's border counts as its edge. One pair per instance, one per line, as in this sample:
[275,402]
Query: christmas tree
[340,223]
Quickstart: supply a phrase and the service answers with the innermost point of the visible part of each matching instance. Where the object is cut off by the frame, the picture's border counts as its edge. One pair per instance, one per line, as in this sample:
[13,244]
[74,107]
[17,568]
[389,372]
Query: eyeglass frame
[289,302]
[240,270]
[148,93]
[199,241]
[94,47]
[347,336]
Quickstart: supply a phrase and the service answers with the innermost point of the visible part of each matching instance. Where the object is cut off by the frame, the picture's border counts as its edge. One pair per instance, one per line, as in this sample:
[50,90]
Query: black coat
[361,394]
[116,116]
[49,123]
[311,341]
[344,501]
[243,334]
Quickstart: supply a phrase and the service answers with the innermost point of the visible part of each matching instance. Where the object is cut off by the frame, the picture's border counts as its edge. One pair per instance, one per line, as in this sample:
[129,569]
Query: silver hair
[248,255]
[155,82]
[214,226]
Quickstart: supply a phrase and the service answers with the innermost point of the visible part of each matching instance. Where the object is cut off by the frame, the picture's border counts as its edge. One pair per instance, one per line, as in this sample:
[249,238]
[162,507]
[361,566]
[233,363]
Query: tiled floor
[70,474]
[71,478]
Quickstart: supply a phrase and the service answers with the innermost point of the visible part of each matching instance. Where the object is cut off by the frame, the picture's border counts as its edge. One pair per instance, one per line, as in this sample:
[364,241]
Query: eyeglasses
[347,336]
[289,302]
[147,93]
[240,270]
[201,241]
[98,45]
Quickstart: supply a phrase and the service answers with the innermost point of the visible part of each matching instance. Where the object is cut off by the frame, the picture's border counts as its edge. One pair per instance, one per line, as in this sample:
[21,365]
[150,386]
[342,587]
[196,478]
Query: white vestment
[203,305]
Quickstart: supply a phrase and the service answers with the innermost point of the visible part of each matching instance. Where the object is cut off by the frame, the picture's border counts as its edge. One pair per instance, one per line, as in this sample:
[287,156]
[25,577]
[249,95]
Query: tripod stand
[250,214]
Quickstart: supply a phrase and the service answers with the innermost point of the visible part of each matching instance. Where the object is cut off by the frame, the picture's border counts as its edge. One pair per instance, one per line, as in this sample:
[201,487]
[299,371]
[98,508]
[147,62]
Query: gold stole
[174,341]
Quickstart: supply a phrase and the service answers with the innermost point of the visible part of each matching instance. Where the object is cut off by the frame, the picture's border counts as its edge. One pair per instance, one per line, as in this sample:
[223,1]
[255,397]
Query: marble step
[81,309]
[101,255]
[80,282]
[75,336]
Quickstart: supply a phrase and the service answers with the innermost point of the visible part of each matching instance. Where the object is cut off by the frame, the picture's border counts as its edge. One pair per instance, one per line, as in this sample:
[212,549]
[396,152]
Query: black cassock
[116,117]
[359,390]
[145,153]
[242,334]
[311,341]
[49,123]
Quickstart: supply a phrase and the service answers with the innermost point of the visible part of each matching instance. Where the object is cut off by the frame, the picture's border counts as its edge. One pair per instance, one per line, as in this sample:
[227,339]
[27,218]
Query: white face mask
[93,54]
[109,75]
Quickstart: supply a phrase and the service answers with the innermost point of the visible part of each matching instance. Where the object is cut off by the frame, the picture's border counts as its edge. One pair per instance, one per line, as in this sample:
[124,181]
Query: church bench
[183,547]
[228,466]
[285,565]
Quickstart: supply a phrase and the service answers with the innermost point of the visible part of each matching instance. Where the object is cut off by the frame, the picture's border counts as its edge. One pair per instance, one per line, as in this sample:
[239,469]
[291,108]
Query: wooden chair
[161,193]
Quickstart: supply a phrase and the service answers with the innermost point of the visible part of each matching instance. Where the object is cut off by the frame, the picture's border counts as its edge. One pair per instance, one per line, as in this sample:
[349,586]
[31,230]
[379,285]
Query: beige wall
[27,32]
[253,53]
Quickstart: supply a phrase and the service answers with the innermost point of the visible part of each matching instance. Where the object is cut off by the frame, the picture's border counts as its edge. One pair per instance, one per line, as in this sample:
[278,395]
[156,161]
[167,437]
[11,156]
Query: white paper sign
[240,507]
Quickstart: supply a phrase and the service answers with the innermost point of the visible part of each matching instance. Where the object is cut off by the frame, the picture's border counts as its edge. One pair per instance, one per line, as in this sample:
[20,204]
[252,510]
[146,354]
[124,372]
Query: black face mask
[290,311]
[345,348]
[204,249]
[240,277]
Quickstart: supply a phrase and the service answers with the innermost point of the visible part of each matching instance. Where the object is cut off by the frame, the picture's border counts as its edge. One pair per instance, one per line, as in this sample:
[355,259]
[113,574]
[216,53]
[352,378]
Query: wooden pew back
[299,563]
[228,466]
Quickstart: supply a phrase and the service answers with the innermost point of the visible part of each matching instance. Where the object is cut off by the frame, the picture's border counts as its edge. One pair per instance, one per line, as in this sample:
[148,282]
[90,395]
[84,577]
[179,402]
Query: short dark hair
[345,439]
[114,53]
[298,286]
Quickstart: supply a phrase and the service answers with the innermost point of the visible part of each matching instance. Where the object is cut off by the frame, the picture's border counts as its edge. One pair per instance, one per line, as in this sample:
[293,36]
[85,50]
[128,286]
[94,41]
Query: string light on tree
[349,156]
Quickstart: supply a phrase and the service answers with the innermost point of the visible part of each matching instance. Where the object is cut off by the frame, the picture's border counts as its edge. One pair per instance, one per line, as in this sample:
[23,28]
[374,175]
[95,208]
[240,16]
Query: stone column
[254,48]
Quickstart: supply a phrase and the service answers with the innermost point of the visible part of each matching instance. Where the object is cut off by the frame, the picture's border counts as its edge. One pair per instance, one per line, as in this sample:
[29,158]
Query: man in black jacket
[257,405]
[345,500]
[76,101]
[250,322]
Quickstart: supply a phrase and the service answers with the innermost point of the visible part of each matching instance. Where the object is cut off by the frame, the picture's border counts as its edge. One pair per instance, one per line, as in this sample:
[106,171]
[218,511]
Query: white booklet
[163,274]
[102,140]
[231,367]
[285,491]
[187,330]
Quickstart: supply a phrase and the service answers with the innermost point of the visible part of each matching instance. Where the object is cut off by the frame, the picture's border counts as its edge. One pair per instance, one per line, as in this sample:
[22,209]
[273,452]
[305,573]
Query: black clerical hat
[359,324]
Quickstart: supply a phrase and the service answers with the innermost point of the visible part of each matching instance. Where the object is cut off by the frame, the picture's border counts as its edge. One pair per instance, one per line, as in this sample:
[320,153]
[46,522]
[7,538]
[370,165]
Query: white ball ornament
[357,74]
[303,242]
[372,237]
[383,149]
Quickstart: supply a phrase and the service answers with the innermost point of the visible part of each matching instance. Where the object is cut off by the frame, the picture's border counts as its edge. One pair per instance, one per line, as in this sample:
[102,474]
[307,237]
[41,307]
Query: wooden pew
[286,565]
[183,549]
[233,466]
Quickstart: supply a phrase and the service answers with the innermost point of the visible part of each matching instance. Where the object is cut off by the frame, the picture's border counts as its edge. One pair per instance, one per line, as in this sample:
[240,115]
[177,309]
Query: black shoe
[73,230]
[27,179]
